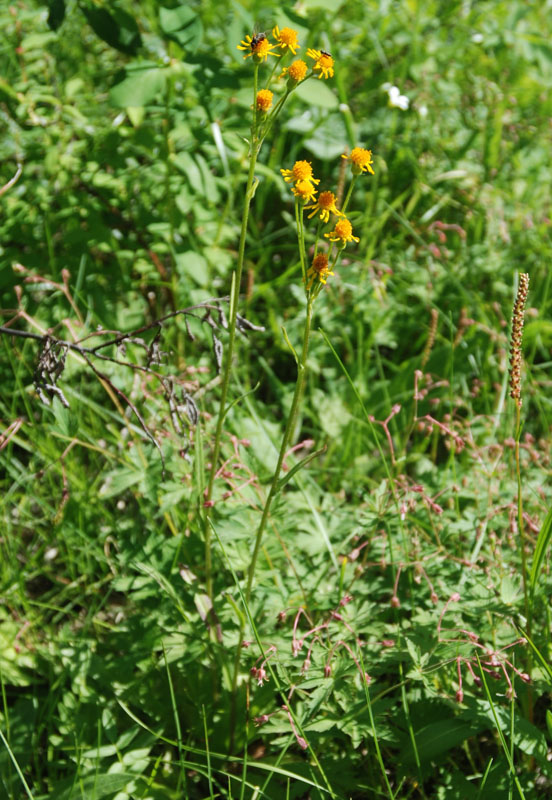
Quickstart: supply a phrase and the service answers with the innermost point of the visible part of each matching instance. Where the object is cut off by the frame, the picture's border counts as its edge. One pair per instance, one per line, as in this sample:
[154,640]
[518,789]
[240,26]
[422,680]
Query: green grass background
[130,122]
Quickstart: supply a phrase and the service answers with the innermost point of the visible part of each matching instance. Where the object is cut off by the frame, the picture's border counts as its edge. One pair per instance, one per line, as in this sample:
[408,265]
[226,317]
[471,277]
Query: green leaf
[282,482]
[549,723]
[116,28]
[440,737]
[118,481]
[144,84]
[192,265]
[316,93]
[66,421]
[541,547]
[56,14]
[183,26]
[96,786]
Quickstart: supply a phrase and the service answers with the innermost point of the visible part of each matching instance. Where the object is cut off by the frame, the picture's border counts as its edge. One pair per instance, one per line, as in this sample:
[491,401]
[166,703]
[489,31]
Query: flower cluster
[323,205]
[286,40]
[305,190]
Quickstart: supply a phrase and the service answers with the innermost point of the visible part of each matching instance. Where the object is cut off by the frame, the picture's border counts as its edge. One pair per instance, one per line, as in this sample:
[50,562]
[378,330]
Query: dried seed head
[517,335]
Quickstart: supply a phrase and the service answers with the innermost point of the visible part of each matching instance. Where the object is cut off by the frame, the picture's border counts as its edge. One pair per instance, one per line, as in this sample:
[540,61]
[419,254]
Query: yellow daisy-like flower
[318,269]
[343,232]
[264,99]
[324,62]
[286,38]
[305,190]
[296,71]
[258,46]
[326,205]
[301,171]
[361,160]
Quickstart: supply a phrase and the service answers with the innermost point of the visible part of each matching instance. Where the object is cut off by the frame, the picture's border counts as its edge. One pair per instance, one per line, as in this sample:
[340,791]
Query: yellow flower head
[304,190]
[318,269]
[258,46]
[324,62]
[343,232]
[326,205]
[264,99]
[286,38]
[361,160]
[301,171]
[296,71]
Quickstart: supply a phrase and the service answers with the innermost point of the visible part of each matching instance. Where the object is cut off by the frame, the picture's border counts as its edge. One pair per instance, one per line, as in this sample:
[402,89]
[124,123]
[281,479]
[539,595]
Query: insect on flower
[257,39]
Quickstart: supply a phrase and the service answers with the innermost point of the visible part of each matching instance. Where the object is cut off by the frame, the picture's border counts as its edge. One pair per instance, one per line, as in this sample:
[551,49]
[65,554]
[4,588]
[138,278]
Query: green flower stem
[290,426]
[349,193]
[300,234]
[234,298]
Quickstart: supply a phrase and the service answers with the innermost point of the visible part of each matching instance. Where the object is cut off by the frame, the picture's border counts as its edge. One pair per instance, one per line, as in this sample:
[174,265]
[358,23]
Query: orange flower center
[326,200]
[302,171]
[320,262]
[262,48]
[361,157]
[264,99]
[304,189]
[343,229]
[297,70]
[288,37]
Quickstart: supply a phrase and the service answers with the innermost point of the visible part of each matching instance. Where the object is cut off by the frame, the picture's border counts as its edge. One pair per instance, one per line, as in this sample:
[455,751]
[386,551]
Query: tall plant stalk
[515,394]
[289,429]
[255,146]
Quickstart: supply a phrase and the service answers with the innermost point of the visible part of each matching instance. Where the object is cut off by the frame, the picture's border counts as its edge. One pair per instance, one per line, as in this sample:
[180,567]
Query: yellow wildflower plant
[326,205]
[324,63]
[301,171]
[343,232]
[286,39]
[258,46]
[264,100]
[361,160]
[318,269]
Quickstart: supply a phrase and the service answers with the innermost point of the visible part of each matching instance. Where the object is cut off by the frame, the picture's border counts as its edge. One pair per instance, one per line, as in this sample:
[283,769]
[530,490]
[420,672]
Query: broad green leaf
[315,92]
[182,25]
[442,736]
[140,87]
[193,265]
[56,13]
[96,786]
[119,480]
[116,27]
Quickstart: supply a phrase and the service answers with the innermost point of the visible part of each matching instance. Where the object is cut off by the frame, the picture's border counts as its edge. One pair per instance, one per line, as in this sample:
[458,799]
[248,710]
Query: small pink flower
[261,676]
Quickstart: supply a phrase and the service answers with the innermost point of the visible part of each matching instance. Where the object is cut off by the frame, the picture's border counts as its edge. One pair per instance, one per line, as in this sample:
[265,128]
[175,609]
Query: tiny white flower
[396,99]
[422,110]
[477,38]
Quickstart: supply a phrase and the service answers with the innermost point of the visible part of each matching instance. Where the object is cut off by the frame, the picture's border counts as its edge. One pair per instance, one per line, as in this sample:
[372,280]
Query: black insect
[257,39]
[325,53]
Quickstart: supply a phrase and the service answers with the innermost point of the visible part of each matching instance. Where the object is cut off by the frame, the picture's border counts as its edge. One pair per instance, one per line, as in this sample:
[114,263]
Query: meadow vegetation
[275,407]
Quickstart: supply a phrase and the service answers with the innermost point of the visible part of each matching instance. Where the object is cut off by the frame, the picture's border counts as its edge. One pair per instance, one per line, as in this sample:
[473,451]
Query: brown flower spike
[517,335]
